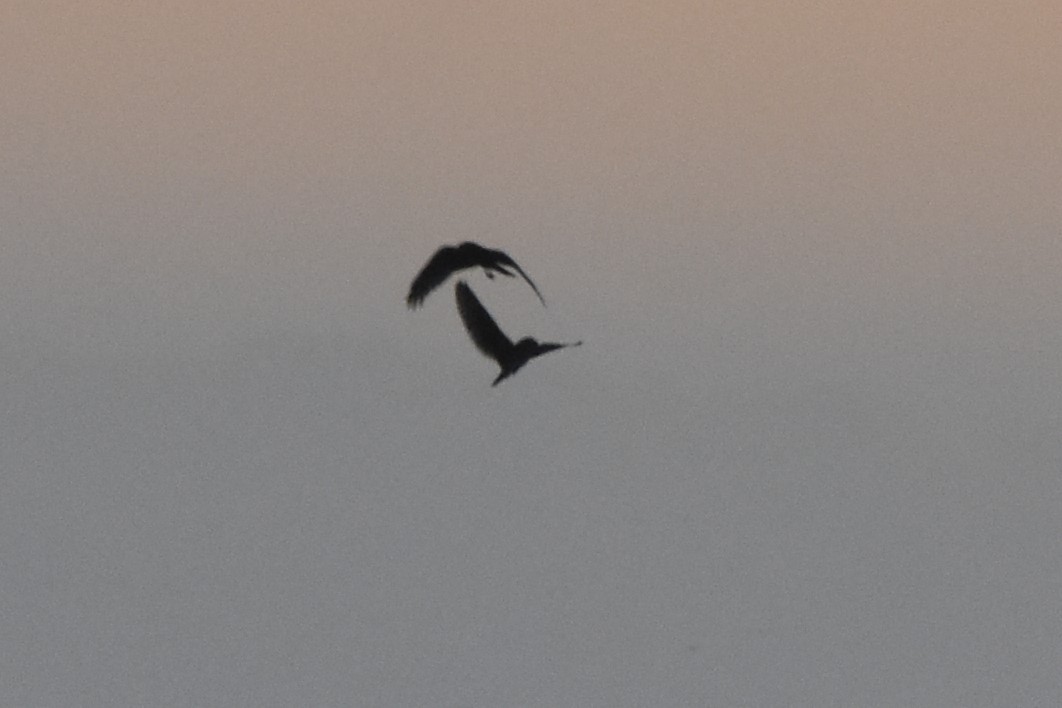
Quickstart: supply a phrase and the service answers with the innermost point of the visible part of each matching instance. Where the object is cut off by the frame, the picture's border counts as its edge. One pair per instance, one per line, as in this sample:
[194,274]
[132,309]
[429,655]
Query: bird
[450,259]
[490,340]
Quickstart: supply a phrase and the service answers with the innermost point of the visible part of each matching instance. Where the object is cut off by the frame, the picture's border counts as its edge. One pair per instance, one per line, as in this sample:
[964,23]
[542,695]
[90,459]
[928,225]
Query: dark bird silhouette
[490,340]
[450,259]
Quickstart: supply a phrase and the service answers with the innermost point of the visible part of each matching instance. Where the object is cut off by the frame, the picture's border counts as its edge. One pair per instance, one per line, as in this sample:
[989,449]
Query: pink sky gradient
[711,159]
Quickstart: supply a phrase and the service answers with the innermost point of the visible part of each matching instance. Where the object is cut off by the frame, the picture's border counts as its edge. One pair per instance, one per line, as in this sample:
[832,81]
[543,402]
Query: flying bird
[450,259]
[490,340]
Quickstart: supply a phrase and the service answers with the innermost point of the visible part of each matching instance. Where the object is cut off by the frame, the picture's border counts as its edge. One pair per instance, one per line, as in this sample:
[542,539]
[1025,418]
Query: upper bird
[450,259]
[490,340]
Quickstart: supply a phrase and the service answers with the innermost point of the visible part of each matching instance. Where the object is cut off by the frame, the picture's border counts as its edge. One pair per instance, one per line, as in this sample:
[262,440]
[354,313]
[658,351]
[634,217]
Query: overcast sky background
[809,454]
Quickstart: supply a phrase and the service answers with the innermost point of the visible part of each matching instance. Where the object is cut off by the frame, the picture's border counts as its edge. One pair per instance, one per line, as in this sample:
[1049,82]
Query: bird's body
[450,259]
[490,340]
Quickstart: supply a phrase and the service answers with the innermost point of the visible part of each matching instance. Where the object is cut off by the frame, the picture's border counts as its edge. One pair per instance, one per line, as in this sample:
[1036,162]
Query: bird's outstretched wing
[512,264]
[435,271]
[484,331]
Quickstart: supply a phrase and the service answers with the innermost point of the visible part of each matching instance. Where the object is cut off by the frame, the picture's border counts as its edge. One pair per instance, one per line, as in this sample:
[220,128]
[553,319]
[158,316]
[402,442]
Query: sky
[808,454]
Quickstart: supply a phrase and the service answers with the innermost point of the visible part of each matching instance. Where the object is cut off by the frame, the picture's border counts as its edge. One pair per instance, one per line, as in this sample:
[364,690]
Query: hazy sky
[808,455]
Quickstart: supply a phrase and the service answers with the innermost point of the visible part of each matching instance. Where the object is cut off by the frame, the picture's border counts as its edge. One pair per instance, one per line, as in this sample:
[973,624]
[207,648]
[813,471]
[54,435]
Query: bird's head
[526,346]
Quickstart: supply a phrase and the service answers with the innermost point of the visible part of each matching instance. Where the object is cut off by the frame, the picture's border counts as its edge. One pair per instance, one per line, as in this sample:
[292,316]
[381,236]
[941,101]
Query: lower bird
[450,259]
[490,340]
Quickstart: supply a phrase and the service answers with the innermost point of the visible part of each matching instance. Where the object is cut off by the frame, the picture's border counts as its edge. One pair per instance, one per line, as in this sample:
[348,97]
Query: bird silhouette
[450,259]
[490,340]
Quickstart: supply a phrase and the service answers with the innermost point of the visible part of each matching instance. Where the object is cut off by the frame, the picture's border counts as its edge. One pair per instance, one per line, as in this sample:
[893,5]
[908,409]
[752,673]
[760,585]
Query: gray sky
[809,454]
